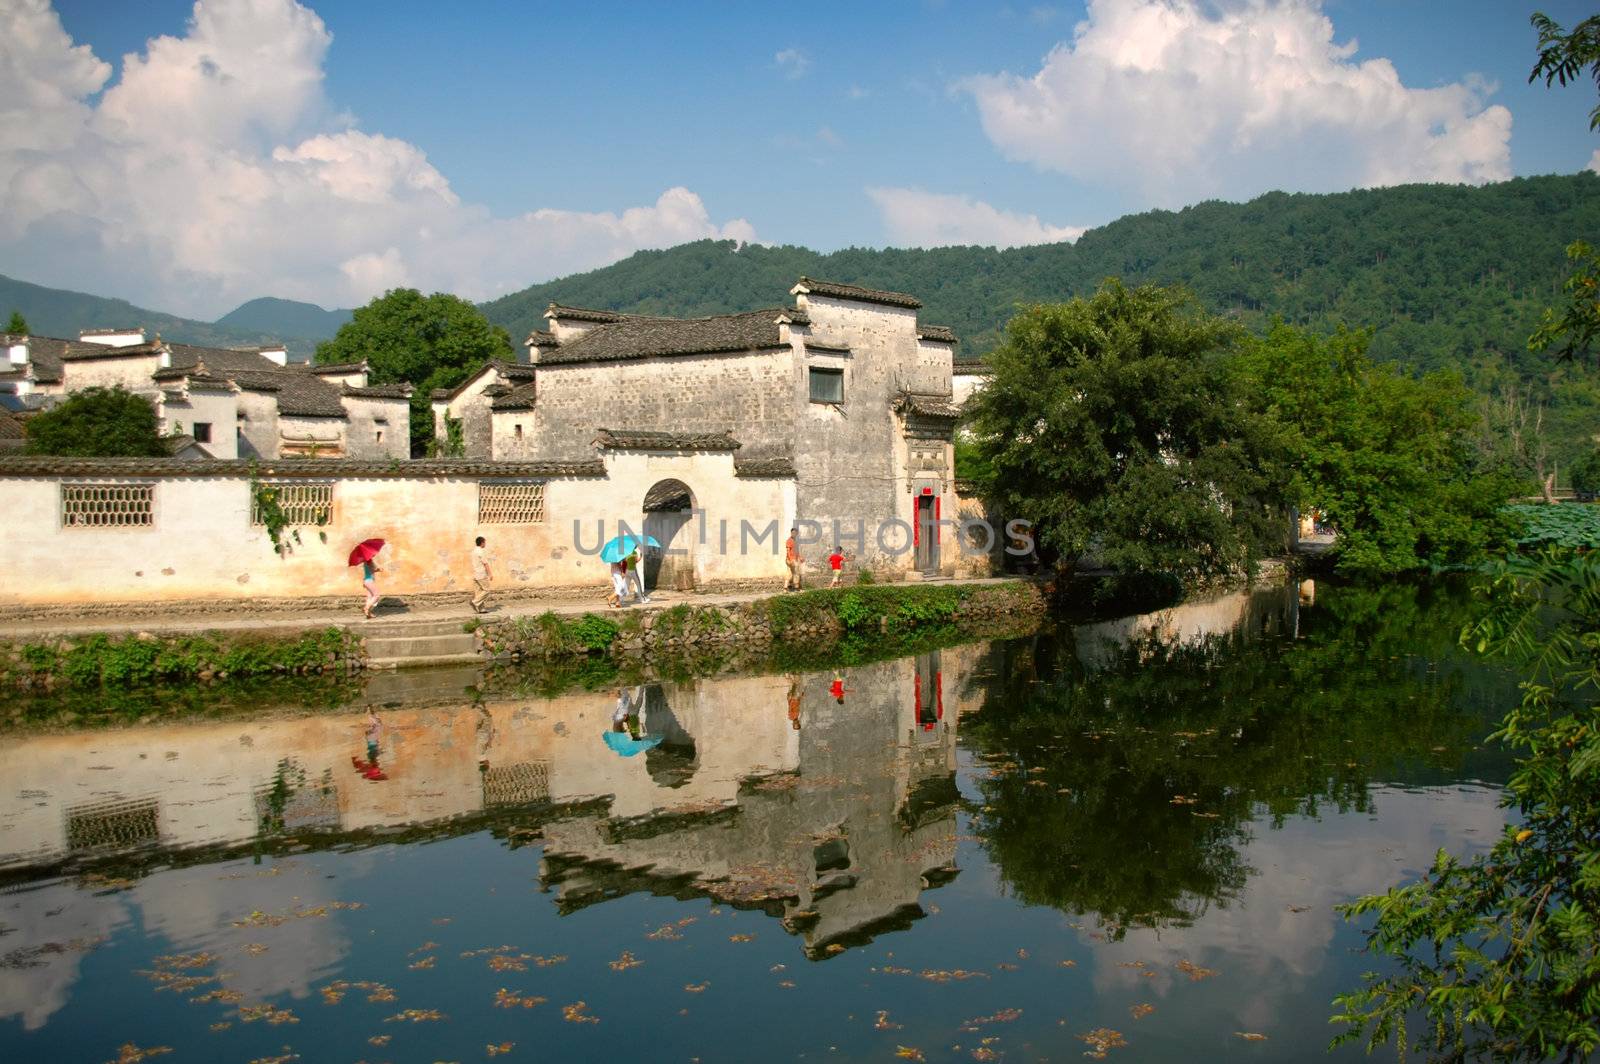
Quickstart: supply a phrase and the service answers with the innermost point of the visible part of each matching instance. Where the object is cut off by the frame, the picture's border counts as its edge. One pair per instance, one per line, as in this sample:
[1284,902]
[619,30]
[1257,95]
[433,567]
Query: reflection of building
[1190,623]
[837,825]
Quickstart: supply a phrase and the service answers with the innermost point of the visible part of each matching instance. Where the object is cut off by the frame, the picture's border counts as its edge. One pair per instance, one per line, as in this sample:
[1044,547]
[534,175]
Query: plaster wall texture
[377,428]
[127,371]
[219,409]
[355,378]
[473,413]
[751,393]
[962,385]
[301,435]
[509,444]
[257,425]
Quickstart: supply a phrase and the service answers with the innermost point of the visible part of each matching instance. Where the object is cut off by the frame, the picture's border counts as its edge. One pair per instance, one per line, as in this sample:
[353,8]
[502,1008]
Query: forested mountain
[1445,276]
[285,318]
[59,312]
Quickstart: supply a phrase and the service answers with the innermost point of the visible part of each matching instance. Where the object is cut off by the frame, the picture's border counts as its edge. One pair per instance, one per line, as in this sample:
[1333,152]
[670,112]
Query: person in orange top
[791,555]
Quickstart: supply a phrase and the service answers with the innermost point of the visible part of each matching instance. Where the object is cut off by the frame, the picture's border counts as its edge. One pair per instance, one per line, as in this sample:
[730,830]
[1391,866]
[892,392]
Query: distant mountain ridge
[286,318]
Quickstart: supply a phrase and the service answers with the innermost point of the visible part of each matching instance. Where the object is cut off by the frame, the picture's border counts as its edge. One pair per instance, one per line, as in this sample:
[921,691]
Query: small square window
[379,435]
[519,431]
[202,432]
[827,385]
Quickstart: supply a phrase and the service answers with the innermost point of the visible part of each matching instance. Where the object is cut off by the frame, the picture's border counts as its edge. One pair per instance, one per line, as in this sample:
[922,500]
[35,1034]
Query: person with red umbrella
[365,555]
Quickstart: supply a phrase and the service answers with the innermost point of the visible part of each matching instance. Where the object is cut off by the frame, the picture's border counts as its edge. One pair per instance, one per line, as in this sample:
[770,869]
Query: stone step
[420,646]
[417,626]
[419,685]
[423,662]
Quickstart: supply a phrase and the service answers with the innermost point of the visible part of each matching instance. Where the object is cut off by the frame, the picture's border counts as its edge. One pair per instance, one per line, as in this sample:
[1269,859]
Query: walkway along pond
[1122,838]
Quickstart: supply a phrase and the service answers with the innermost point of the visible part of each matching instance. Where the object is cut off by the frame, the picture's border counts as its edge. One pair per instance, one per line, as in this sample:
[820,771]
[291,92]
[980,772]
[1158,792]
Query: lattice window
[514,503]
[303,502]
[113,825]
[108,505]
[523,783]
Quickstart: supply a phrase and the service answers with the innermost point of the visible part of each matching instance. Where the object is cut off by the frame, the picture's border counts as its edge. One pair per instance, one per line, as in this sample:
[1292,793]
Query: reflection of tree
[1128,790]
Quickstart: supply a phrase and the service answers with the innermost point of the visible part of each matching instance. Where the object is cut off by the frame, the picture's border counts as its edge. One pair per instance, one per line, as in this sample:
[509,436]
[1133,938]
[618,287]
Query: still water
[1123,838]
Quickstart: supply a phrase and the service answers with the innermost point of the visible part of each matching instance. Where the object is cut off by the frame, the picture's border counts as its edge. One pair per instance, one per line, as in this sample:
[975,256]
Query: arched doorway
[667,517]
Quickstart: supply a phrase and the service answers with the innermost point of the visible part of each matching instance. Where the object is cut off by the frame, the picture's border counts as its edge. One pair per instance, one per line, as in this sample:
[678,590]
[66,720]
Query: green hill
[58,312]
[1445,276]
[285,318]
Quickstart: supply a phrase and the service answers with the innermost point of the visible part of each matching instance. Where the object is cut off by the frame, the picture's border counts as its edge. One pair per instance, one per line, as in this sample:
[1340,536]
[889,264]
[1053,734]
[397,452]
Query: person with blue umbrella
[623,552]
[627,736]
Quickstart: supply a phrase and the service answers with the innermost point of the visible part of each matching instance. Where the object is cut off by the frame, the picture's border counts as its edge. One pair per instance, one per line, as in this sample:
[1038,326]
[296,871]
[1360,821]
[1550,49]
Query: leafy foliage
[18,325]
[100,660]
[1567,525]
[1445,276]
[1501,954]
[1389,459]
[1572,333]
[97,423]
[1563,56]
[428,342]
[1585,473]
[1113,424]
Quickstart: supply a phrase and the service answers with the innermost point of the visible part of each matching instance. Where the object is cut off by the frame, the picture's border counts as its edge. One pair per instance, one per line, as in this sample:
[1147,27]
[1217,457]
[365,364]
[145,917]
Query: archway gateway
[668,507]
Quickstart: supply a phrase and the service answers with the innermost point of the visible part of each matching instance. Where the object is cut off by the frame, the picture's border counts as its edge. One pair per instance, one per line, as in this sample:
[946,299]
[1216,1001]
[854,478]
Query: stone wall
[377,428]
[751,393]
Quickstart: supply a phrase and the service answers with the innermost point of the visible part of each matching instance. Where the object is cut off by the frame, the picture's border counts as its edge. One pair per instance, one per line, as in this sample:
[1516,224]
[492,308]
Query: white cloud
[915,218]
[793,62]
[1184,100]
[216,170]
[1594,161]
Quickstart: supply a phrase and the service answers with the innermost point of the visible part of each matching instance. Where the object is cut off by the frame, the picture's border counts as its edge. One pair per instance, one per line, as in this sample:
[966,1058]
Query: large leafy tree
[1499,955]
[1391,460]
[97,423]
[1113,424]
[426,341]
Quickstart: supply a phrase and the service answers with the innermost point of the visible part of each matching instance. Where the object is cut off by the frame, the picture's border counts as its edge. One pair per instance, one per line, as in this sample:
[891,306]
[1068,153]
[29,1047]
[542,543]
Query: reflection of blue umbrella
[627,745]
[619,547]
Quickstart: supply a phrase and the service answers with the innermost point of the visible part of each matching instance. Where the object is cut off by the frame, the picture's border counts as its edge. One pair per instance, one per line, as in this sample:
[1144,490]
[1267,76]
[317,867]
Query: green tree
[97,423]
[1586,473]
[426,341]
[1391,460]
[18,325]
[1113,424]
[1563,55]
[1500,955]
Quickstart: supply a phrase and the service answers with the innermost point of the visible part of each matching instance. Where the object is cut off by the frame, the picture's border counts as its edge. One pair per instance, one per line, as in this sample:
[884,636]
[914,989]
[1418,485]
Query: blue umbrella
[627,745]
[619,547]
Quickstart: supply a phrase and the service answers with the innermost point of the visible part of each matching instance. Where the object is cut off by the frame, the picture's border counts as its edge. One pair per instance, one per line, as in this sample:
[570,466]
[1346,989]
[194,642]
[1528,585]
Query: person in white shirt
[481,575]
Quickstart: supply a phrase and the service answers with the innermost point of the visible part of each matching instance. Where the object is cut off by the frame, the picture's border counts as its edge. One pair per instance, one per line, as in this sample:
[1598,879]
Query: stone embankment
[81,659]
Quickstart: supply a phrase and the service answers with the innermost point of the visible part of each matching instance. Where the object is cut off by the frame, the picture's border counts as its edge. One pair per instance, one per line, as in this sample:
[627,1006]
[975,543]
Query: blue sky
[412,140]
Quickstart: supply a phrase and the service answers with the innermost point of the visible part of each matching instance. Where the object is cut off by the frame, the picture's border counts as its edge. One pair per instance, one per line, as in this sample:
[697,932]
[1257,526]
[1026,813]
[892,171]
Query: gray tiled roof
[623,439]
[773,467]
[10,427]
[540,338]
[936,406]
[940,333]
[439,393]
[834,290]
[420,468]
[45,354]
[969,365]
[328,367]
[754,330]
[796,316]
[78,350]
[520,398]
[298,394]
[556,310]
[379,391]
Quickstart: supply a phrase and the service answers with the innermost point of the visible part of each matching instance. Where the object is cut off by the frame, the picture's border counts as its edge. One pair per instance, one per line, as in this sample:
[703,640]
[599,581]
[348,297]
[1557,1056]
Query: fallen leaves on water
[545,962]
[1006,966]
[96,881]
[255,949]
[1194,971]
[222,1025]
[1250,1036]
[502,963]
[426,947]
[381,1040]
[415,1016]
[624,962]
[1022,954]
[1298,908]
[227,997]
[942,975]
[834,948]
[271,1013]
[1185,799]
[423,965]
[577,1012]
[1102,1040]
[883,1023]
[503,1047]
[908,1053]
[1003,1016]
[132,1054]
[696,988]
[186,961]
[778,968]
[984,1053]
[281,1058]
[1069,964]
[507,999]
[1132,964]
[741,938]
[786,984]
[1141,1010]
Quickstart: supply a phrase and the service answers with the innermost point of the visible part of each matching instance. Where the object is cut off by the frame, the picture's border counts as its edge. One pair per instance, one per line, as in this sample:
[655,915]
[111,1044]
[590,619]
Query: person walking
[481,575]
[633,578]
[369,584]
[791,557]
[619,584]
[836,563]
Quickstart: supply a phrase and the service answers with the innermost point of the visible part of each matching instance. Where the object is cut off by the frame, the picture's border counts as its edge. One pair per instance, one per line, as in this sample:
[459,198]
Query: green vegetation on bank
[100,661]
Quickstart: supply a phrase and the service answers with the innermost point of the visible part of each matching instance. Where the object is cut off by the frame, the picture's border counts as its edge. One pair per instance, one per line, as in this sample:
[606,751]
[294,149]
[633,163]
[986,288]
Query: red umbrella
[366,551]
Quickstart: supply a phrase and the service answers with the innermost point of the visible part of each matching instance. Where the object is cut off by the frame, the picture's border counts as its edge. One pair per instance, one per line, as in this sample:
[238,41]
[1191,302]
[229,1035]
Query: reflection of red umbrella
[366,551]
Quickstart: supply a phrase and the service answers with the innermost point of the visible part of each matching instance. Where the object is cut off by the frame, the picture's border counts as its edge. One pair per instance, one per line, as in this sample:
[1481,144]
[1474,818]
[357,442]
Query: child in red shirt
[836,563]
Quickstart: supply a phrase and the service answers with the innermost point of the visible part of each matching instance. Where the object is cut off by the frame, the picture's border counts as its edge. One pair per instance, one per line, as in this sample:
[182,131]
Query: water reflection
[1198,785]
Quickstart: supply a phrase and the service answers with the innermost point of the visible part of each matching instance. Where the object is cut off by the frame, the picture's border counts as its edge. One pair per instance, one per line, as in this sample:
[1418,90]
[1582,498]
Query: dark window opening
[827,385]
[202,432]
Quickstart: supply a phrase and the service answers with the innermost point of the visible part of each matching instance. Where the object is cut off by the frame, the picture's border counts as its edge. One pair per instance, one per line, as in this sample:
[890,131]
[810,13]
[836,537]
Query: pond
[1122,838]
